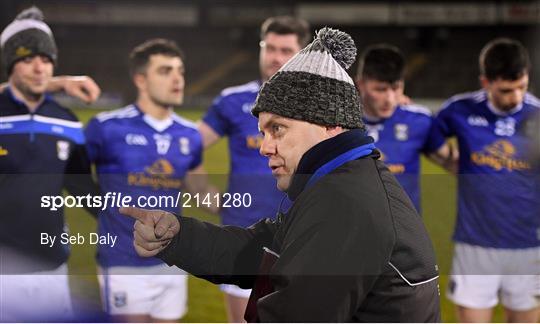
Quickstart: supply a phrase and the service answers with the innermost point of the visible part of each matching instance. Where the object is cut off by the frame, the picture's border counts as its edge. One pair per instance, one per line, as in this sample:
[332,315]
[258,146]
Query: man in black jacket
[351,247]
[41,152]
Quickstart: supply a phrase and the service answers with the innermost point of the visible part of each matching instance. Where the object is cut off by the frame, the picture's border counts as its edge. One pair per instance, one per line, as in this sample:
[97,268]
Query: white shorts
[36,297]
[159,291]
[235,291]
[480,276]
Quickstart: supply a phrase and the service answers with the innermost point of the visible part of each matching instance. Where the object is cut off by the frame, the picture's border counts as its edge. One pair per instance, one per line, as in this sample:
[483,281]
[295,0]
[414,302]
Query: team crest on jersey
[184,145]
[62,150]
[505,127]
[120,299]
[401,132]
[163,142]
[3,151]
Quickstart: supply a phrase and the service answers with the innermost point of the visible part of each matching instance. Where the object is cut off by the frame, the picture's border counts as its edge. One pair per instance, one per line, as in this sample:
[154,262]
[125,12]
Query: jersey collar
[499,112]
[46,98]
[158,125]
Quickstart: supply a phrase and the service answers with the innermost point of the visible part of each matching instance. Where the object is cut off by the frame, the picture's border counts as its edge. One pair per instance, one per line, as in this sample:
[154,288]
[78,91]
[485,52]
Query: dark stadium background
[441,40]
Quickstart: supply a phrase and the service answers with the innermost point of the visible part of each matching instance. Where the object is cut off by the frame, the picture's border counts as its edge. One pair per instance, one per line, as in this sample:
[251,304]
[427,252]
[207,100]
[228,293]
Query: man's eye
[287,51]
[276,128]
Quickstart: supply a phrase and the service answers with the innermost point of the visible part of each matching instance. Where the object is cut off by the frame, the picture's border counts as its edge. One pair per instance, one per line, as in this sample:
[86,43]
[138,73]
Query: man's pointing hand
[153,229]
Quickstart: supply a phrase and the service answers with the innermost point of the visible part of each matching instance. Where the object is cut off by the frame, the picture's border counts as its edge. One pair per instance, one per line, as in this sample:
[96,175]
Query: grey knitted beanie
[26,36]
[313,86]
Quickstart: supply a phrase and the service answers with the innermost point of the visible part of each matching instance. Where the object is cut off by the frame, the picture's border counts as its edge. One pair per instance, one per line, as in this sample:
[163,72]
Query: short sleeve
[441,128]
[197,151]
[215,117]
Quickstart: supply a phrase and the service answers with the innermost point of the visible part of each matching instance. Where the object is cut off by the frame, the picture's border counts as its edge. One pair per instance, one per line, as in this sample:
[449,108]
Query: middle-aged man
[497,234]
[351,247]
[230,115]
[41,152]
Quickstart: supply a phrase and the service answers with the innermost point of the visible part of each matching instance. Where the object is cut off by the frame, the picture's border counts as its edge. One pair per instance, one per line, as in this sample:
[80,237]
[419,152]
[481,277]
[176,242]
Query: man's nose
[38,64]
[268,147]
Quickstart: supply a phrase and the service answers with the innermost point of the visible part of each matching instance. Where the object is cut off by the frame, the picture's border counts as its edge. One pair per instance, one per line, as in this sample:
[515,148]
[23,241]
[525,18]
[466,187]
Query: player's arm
[437,147]
[447,156]
[208,134]
[196,182]
[82,87]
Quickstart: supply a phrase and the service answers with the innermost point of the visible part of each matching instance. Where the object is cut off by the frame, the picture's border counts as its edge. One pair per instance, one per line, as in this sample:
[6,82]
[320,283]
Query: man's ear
[484,82]
[332,131]
[139,80]
[359,82]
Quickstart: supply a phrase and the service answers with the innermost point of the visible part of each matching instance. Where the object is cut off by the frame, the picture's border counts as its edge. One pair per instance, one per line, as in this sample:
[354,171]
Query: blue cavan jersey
[401,139]
[41,153]
[497,188]
[230,115]
[138,156]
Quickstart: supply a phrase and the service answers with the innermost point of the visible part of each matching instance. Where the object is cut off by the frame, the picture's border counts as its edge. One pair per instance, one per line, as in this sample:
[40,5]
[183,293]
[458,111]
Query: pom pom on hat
[313,85]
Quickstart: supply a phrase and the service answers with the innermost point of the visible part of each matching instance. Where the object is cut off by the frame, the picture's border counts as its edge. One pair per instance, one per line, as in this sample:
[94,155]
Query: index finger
[142,215]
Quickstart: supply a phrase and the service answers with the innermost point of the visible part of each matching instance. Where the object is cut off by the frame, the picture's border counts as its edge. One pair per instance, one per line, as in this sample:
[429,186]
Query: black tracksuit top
[40,154]
[352,248]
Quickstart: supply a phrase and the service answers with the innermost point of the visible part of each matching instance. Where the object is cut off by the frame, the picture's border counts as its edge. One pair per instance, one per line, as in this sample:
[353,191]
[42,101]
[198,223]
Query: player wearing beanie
[41,152]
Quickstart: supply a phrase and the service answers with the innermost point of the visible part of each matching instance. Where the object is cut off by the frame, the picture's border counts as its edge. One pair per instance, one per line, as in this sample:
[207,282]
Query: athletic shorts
[159,291]
[235,291]
[482,276]
[36,297]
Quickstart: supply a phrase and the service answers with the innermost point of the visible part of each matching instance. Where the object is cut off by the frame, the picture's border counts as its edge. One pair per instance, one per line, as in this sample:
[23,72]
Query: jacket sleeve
[219,254]
[78,177]
[330,261]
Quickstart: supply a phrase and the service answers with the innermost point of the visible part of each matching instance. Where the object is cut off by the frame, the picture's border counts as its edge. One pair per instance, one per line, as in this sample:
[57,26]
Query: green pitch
[205,299]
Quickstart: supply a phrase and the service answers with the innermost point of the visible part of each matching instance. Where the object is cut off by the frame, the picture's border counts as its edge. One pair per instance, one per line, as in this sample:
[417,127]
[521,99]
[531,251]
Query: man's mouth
[276,169]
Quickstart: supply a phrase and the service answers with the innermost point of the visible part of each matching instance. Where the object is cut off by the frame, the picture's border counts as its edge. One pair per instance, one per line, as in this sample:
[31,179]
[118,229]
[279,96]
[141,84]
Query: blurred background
[441,41]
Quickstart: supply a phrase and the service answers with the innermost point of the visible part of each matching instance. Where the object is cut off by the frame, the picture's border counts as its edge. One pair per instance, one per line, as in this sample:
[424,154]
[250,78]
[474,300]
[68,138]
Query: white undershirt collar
[158,124]
[503,113]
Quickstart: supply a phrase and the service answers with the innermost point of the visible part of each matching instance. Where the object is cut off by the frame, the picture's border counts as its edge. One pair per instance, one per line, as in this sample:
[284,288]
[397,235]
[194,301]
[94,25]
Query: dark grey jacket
[351,248]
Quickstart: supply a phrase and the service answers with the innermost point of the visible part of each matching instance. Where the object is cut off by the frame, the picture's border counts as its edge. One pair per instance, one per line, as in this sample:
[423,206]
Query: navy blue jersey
[138,156]
[497,191]
[40,154]
[401,139]
[230,115]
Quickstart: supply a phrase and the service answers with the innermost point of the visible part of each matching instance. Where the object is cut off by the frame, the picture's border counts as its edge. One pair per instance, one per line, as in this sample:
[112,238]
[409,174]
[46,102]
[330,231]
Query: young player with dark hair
[230,115]
[497,250]
[401,131]
[145,150]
